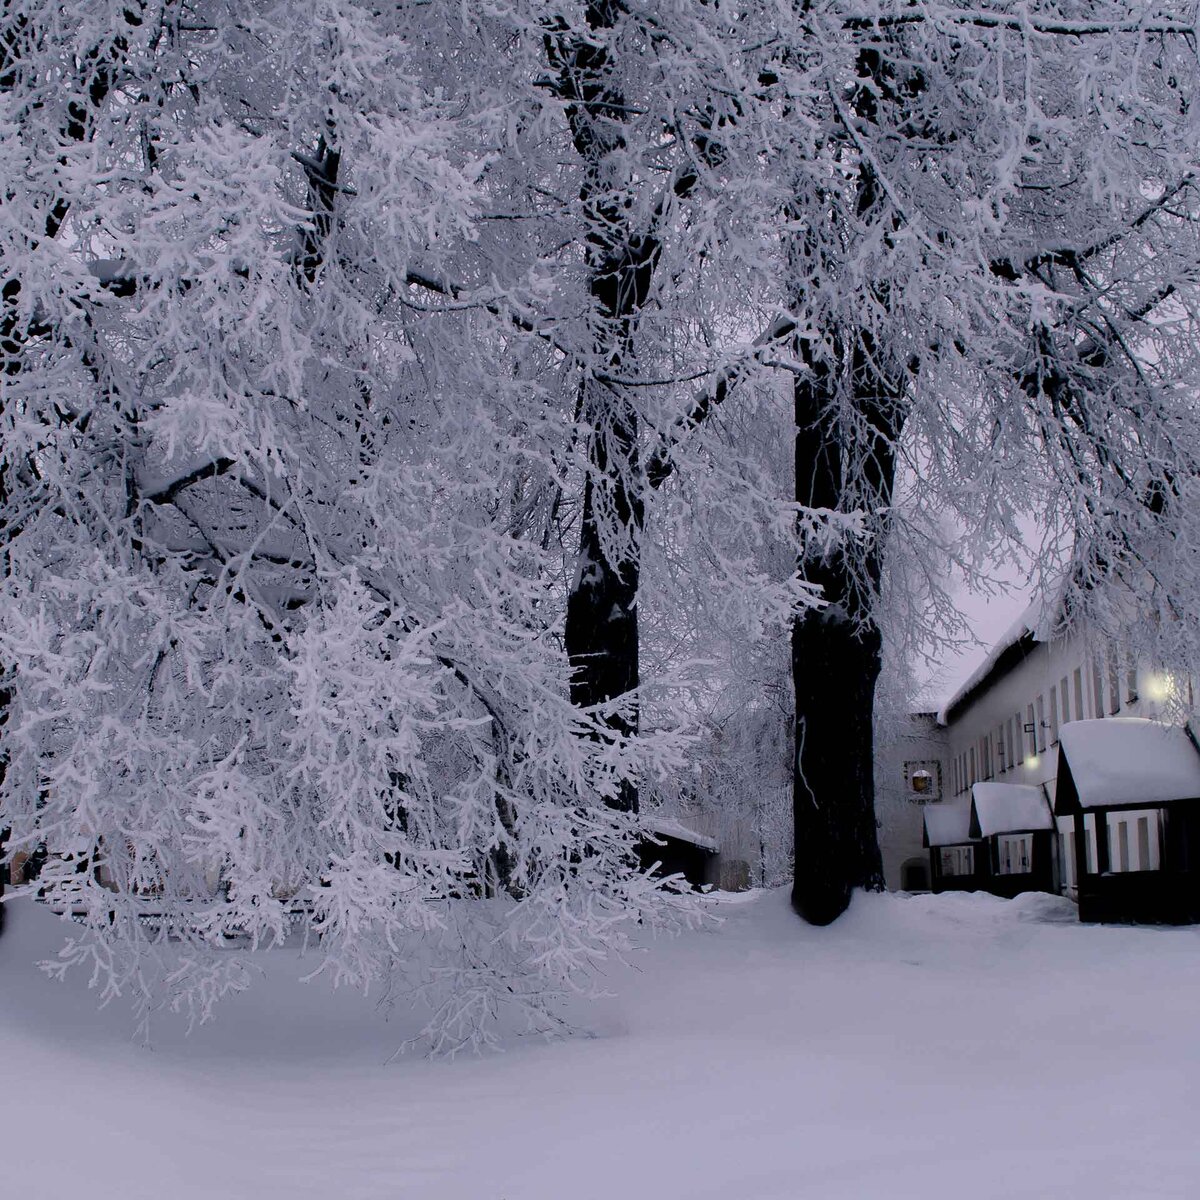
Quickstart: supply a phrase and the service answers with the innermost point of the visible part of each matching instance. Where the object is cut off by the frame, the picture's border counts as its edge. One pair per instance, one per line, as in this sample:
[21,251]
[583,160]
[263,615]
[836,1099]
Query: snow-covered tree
[277,639]
[991,267]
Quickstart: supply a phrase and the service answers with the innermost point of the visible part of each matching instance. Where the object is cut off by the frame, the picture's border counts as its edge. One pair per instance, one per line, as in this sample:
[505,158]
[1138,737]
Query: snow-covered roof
[1008,808]
[948,823]
[670,827]
[1129,760]
[1036,624]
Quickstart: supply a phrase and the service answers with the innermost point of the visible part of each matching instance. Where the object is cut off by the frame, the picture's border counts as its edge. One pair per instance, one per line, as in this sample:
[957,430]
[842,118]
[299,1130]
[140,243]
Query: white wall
[979,738]
[899,810]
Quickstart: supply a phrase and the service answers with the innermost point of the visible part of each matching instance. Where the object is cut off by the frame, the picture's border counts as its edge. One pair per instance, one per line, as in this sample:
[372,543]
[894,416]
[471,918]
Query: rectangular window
[1119,854]
[1079,713]
[1097,689]
[1041,724]
[1015,854]
[1066,699]
[971,776]
[1031,731]
[1069,860]
[957,860]
[1020,741]
[1002,763]
[1089,843]
[1054,716]
[1008,741]
[1133,840]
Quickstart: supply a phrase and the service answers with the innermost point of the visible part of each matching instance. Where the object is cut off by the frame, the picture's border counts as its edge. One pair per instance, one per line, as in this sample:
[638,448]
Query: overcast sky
[989,617]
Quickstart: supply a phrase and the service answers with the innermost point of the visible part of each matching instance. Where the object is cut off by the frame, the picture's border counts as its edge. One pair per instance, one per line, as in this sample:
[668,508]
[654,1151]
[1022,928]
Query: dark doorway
[914,875]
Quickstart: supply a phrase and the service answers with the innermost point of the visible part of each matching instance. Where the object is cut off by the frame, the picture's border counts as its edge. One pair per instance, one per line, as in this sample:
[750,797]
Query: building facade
[1004,726]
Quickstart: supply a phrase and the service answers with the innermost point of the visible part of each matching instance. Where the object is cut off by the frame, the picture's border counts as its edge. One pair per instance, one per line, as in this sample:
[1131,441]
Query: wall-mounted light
[1161,686]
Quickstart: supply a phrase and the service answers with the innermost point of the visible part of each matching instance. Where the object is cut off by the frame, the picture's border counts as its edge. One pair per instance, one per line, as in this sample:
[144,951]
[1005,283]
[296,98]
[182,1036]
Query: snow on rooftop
[670,827]
[948,823]
[1009,808]
[1039,619]
[1129,760]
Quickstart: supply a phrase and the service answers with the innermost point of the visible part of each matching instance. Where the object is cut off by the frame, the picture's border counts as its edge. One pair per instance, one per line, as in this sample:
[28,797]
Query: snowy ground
[924,1047]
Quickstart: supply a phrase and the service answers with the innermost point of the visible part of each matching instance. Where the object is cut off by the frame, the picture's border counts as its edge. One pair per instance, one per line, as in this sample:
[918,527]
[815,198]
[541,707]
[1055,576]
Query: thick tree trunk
[835,668]
[850,408]
[836,651]
[601,631]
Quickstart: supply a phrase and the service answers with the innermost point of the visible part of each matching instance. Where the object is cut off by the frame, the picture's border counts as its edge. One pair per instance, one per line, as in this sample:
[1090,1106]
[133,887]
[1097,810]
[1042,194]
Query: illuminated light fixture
[1160,686]
[1033,762]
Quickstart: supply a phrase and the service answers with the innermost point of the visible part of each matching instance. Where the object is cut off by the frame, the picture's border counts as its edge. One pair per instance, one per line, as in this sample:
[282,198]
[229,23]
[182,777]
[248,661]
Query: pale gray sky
[989,617]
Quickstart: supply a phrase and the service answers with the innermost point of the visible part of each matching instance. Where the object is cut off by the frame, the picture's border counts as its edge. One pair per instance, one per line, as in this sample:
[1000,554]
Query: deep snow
[925,1047]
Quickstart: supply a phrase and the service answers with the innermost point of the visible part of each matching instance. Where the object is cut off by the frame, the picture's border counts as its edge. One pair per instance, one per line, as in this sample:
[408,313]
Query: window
[1079,713]
[1097,689]
[1014,854]
[985,756]
[957,860]
[971,767]
[1053,716]
[1133,840]
[1066,851]
[1018,725]
[1089,843]
[1143,840]
[1008,738]
[1041,724]
[1031,731]
[1002,760]
[1066,699]
[923,780]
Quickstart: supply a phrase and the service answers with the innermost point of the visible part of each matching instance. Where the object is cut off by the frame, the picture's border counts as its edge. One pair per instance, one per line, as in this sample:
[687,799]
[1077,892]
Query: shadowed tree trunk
[601,619]
[836,650]
[850,409]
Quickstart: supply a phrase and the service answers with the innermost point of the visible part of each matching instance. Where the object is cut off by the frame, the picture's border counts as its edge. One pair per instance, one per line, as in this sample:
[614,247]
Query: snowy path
[923,1047]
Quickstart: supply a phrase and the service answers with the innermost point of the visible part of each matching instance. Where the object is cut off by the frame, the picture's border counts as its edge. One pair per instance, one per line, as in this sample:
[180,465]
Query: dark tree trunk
[850,408]
[836,848]
[836,650]
[601,631]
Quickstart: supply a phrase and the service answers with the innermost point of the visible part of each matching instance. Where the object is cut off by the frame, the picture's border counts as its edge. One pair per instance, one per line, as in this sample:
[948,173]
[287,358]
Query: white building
[1003,725]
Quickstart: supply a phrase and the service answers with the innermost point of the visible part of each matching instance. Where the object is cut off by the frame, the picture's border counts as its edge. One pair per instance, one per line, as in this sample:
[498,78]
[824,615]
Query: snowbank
[924,1048]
